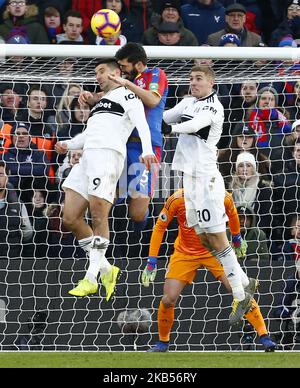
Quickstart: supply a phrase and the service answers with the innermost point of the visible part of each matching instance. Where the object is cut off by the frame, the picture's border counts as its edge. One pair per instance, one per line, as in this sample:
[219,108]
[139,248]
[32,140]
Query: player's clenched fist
[61,148]
[89,98]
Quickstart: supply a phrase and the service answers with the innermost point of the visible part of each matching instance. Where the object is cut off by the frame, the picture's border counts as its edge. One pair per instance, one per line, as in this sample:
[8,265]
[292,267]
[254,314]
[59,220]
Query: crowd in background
[259,154]
[174,22]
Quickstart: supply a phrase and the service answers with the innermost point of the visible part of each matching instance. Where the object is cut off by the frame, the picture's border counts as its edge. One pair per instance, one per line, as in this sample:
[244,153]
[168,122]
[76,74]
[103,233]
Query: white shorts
[96,174]
[204,201]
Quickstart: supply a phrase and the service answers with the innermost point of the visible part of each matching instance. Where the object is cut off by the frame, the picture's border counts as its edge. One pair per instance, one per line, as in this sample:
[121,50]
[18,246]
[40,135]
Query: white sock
[97,260]
[232,271]
[244,277]
[86,244]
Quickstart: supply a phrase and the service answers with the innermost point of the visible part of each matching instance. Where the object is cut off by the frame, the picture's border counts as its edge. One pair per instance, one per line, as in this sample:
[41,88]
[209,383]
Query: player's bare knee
[69,221]
[169,300]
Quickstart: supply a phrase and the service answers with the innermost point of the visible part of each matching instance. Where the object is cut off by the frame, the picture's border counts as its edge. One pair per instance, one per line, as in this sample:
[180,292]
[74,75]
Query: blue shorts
[135,179]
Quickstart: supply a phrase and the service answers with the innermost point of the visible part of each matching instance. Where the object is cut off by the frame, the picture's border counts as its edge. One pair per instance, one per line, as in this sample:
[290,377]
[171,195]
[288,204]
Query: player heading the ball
[92,182]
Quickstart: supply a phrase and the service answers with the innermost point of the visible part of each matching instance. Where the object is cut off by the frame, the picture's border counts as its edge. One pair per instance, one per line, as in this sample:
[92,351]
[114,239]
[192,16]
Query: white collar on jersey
[205,98]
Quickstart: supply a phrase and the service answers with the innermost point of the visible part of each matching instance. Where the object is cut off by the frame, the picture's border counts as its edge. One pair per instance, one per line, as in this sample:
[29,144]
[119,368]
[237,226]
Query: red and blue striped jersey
[155,80]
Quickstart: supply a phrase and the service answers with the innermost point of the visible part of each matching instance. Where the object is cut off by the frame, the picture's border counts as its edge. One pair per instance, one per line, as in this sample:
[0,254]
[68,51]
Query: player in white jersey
[92,183]
[199,121]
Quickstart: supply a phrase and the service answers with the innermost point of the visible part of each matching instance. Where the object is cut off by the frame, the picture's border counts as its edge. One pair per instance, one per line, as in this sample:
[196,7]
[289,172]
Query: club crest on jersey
[163,217]
[141,83]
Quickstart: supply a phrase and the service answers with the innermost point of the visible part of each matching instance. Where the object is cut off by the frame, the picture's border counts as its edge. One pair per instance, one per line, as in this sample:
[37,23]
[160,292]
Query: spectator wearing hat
[41,143]
[288,66]
[28,165]
[235,24]
[204,17]
[256,238]
[170,34]
[21,19]
[271,126]
[243,139]
[290,25]
[248,187]
[169,13]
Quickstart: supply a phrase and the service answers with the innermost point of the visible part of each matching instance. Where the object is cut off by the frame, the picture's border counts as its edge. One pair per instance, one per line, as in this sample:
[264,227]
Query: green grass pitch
[146,360]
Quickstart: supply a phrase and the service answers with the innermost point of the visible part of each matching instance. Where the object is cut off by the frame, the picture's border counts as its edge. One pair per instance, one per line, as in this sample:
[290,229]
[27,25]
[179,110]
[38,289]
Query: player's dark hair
[110,62]
[133,52]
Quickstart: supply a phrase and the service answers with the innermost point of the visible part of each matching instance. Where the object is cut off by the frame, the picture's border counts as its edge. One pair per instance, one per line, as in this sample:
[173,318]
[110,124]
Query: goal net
[40,261]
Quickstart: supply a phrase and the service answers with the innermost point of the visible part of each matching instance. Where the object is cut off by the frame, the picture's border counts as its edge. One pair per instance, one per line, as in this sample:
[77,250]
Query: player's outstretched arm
[165,217]
[138,118]
[240,245]
[77,143]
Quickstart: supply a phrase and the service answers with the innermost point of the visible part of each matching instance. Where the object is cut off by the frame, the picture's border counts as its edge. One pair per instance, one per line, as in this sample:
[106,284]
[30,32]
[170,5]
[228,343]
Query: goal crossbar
[162,52]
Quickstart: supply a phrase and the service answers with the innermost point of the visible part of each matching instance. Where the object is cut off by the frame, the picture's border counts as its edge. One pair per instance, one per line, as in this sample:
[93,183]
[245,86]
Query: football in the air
[105,23]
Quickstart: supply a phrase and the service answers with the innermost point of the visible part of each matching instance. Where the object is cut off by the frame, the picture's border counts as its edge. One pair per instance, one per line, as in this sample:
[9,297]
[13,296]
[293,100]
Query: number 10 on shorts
[203,215]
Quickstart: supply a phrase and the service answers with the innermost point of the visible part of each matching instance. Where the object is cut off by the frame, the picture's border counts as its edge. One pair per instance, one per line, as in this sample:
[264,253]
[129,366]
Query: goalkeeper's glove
[149,272]
[239,245]
[166,129]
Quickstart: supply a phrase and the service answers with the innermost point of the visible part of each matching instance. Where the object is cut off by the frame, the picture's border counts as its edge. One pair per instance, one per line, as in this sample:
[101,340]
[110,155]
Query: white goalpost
[36,311]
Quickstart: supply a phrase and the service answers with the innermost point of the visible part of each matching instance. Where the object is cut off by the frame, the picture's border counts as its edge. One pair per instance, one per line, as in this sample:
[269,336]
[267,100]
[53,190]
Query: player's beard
[132,75]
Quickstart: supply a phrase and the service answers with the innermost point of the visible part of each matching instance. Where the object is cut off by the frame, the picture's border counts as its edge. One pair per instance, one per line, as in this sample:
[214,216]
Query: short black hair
[72,13]
[133,52]
[110,62]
